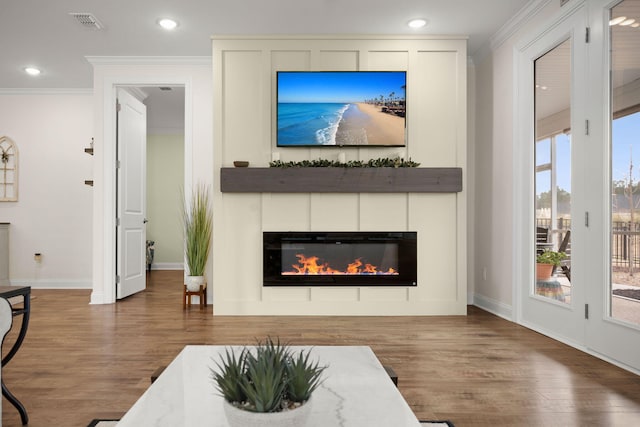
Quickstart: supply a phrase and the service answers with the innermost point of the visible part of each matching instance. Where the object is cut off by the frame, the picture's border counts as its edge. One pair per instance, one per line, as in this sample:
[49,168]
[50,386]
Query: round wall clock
[8,170]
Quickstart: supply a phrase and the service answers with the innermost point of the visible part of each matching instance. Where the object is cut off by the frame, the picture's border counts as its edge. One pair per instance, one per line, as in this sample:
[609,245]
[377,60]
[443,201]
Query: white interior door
[131,199]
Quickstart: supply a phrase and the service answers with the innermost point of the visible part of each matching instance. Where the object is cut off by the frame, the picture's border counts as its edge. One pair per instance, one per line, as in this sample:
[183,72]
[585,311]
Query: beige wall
[244,88]
[165,177]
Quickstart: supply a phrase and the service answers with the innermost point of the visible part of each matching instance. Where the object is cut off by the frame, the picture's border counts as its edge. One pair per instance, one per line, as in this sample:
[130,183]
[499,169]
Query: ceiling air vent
[87,20]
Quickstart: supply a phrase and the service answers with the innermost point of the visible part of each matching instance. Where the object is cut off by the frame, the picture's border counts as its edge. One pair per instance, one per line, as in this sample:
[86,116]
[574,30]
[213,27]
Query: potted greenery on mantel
[384,175]
[267,385]
[197,227]
[387,162]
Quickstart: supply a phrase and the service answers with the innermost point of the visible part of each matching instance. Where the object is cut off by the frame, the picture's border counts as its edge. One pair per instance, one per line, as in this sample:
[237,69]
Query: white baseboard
[578,346]
[97,298]
[167,266]
[498,308]
[53,284]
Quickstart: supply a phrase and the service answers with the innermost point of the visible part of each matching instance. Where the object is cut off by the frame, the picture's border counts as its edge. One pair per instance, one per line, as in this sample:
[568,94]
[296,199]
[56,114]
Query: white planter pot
[294,418]
[193,282]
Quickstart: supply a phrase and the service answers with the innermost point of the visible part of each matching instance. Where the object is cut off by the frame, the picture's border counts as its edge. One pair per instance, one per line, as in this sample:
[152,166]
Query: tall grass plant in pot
[197,221]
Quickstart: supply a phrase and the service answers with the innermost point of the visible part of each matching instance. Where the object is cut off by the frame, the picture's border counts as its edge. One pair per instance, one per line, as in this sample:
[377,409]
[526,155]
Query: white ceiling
[41,33]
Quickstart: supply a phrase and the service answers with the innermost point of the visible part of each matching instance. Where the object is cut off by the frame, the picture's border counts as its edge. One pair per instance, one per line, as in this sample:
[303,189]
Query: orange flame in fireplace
[311,266]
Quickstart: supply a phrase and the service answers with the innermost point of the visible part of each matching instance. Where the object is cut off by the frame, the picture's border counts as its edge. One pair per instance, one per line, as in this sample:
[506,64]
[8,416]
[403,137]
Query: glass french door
[578,165]
[552,116]
[624,142]
[551,110]
[614,294]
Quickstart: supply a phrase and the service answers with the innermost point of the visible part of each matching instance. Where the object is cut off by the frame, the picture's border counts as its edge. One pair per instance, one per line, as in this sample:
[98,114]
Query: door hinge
[117,164]
[118,106]
[117,222]
[586,127]
[587,35]
[586,311]
[586,219]
[117,279]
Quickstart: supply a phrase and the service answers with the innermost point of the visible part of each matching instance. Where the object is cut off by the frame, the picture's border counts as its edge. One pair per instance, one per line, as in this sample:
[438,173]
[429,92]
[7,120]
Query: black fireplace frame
[407,258]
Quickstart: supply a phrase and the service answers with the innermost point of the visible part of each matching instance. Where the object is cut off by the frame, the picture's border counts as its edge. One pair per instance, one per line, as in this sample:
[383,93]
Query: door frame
[110,85]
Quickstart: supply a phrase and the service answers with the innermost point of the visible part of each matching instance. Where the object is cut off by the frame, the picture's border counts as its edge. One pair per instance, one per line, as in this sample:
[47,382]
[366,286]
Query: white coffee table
[356,392]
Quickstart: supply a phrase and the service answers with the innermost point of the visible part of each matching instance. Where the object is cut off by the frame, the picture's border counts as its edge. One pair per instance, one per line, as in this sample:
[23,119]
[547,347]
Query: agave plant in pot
[197,228]
[267,385]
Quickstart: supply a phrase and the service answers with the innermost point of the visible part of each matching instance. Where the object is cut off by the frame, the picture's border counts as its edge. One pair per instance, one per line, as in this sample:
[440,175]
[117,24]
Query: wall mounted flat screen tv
[341,108]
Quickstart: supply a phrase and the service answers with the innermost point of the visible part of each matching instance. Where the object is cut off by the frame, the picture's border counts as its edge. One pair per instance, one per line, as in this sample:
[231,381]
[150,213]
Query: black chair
[565,246]
[542,239]
[6,319]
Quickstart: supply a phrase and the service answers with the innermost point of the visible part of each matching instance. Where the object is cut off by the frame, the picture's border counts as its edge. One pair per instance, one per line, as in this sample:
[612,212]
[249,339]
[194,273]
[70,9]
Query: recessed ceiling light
[32,71]
[616,21]
[627,22]
[417,23]
[167,24]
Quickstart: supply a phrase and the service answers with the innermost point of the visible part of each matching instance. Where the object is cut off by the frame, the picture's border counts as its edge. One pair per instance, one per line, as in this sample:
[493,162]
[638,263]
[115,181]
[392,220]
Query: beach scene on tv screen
[341,108]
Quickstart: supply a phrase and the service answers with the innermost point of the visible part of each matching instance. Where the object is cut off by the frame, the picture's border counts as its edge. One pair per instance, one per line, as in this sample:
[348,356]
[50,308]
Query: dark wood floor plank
[81,361]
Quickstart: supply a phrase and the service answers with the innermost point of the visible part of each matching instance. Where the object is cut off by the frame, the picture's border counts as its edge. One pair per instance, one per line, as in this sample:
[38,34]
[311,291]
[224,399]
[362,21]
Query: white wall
[244,88]
[494,174]
[53,213]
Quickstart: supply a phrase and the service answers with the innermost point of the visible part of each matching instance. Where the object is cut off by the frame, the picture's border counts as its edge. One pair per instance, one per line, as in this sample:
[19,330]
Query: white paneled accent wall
[244,72]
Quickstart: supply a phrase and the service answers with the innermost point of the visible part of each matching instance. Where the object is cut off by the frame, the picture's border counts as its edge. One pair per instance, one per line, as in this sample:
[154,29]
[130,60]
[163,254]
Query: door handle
[144,221]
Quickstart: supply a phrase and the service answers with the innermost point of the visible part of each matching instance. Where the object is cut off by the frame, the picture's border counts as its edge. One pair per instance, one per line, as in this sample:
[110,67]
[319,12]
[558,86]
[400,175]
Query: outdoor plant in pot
[546,262]
[267,385]
[197,222]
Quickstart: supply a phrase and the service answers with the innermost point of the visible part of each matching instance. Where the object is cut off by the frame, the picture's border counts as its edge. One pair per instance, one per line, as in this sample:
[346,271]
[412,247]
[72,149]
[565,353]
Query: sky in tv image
[341,108]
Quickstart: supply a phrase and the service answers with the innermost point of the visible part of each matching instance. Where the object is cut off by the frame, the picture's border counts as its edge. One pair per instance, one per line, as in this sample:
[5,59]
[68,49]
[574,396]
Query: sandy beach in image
[370,127]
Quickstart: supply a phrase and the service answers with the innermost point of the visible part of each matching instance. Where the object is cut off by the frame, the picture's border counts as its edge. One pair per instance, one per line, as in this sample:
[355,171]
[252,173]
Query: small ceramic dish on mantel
[240,163]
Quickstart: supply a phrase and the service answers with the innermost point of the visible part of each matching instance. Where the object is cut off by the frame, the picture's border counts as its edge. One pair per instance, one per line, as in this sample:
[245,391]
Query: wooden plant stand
[186,296]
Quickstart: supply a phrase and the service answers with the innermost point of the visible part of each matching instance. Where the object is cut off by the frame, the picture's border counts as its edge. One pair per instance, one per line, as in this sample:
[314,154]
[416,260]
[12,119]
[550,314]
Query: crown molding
[516,22]
[339,37]
[149,60]
[508,29]
[46,91]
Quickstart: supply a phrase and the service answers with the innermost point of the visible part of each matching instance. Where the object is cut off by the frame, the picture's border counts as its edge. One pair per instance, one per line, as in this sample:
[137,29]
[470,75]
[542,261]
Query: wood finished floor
[80,362]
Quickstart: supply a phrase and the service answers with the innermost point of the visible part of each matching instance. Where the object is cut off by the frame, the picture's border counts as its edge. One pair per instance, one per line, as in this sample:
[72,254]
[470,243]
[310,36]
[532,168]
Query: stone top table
[356,392]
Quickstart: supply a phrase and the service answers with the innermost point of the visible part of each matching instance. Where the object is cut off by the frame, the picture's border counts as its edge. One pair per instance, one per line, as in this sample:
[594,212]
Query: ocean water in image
[309,123]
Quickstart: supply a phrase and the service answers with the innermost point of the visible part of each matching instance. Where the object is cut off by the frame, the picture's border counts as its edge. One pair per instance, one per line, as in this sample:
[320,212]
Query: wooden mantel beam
[340,180]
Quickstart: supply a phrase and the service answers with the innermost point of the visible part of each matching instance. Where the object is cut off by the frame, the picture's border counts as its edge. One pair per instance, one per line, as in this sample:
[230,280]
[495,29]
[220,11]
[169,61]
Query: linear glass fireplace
[339,258]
